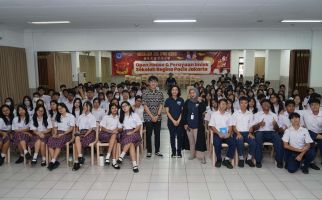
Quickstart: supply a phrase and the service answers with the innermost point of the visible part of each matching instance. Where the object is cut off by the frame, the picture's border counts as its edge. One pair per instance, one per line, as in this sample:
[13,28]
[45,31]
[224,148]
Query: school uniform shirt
[110,122]
[175,106]
[65,122]
[236,105]
[41,126]
[69,105]
[276,107]
[313,122]
[77,114]
[30,112]
[62,99]
[104,105]
[284,121]
[268,119]
[297,138]
[140,112]
[219,120]
[46,99]
[242,120]
[86,121]
[131,121]
[19,125]
[99,114]
[3,126]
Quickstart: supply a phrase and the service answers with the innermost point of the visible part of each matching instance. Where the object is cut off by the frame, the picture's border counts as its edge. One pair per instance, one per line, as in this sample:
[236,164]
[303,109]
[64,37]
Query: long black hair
[279,102]
[51,112]
[110,108]
[44,117]
[4,118]
[12,105]
[80,106]
[31,106]
[170,89]
[122,114]
[232,105]
[58,116]
[301,102]
[255,110]
[27,118]
[88,103]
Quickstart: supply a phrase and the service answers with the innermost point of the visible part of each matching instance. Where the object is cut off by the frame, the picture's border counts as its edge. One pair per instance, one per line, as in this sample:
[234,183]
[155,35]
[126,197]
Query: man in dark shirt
[170,81]
[153,103]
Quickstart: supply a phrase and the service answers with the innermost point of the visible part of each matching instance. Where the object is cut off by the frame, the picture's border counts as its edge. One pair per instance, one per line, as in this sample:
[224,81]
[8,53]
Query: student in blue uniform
[173,106]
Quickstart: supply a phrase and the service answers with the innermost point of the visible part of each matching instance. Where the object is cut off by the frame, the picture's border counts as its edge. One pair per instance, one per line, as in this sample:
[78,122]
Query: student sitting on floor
[297,145]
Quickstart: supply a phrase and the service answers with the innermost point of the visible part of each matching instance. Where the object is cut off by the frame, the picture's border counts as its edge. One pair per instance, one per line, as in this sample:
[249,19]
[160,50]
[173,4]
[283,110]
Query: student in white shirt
[242,126]
[297,145]
[62,133]
[6,117]
[110,127]
[138,107]
[104,103]
[98,112]
[53,110]
[41,126]
[130,137]
[283,118]
[219,124]
[85,133]
[29,105]
[313,122]
[70,100]
[265,124]
[77,109]
[126,97]
[22,135]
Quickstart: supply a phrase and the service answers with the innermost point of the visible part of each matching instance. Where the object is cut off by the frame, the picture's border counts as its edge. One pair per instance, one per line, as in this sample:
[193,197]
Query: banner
[158,62]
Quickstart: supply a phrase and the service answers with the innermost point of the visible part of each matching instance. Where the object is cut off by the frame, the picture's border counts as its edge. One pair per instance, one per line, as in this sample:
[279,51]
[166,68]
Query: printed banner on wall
[158,62]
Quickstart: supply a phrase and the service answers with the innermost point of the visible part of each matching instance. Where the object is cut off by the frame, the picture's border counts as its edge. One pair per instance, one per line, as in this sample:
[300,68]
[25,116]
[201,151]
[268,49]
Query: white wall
[315,79]
[234,60]
[285,62]
[11,37]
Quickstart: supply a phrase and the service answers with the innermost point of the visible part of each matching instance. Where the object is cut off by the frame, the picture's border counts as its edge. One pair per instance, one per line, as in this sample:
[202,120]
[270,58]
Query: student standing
[153,103]
[192,119]
[242,126]
[297,145]
[219,124]
[86,129]
[173,106]
[6,117]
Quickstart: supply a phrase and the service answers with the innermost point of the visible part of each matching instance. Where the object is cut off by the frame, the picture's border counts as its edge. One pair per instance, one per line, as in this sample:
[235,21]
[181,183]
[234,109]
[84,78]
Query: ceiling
[136,14]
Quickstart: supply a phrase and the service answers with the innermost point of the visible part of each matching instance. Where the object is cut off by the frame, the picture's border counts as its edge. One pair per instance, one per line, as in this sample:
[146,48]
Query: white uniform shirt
[104,105]
[3,126]
[139,111]
[69,105]
[19,125]
[297,138]
[268,119]
[99,114]
[242,120]
[131,122]
[313,122]
[66,122]
[109,122]
[41,126]
[86,121]
[219,120]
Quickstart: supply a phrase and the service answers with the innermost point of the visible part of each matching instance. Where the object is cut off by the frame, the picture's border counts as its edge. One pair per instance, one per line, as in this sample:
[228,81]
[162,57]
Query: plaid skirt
[35,138]
[127,139]
[20,136]
[86,140]
[104,137]
[59,142]
[6,138]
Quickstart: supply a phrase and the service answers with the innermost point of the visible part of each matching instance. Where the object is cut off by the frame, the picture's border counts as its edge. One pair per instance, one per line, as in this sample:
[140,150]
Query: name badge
[192,116]
[197,105]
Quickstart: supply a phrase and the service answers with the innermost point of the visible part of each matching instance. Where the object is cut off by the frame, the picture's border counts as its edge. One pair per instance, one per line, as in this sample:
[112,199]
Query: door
[260,66]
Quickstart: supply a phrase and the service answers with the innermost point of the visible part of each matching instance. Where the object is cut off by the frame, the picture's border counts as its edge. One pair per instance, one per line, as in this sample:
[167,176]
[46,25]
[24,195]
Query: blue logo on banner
[118,55]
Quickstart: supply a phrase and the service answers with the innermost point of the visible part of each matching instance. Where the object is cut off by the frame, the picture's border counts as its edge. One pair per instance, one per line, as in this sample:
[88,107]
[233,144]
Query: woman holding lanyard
[192,118]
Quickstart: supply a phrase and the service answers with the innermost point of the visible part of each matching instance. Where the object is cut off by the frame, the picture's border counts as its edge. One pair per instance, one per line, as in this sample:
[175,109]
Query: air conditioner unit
[81,77]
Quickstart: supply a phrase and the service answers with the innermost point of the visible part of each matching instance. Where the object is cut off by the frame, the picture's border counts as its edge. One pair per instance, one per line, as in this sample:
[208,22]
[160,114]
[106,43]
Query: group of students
[235,113]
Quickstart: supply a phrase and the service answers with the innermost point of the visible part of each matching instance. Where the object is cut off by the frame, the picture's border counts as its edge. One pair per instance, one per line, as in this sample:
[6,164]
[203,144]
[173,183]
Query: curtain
[13,73]
[63,70]
[106,69]
[88,64]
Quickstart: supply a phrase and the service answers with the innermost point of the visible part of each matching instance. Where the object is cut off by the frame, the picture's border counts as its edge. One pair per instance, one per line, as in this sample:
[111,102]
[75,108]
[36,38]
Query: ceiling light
[301,21]
[50,22]
[174,21]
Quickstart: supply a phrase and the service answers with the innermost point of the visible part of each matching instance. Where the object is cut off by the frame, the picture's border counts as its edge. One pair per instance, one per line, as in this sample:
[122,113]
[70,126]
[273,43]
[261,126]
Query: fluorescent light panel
[50,22]
[301,21]
[174,21]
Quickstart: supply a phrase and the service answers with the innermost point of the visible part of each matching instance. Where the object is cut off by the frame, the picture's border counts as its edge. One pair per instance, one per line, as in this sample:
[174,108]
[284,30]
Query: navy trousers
[231,142]
[293,165]
[268,136]
[251,144]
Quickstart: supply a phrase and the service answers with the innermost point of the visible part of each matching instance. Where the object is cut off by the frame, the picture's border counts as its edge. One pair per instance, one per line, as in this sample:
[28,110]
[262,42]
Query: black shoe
[43,163]
[107,161]
[241,163]
[50,166]
[173,155]
[250,163]
[120,160]
[20,160]
[81,160]
[227,163]
[179,155]
[135,169]
[34,161]
[28,156]
[305,170]
[76,167]
[285,166]
[314,166]
[158,154]
[116,166]
[258,165]
[218,163]
[148,155]
[1,160]
[56,164]
[279,165]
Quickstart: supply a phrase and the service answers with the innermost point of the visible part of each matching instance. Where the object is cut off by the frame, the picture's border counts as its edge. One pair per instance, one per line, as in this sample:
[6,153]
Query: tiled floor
[166,178]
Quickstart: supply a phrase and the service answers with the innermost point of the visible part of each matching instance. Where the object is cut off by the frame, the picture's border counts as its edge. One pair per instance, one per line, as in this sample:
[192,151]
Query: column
[272,68]
[285,68]
[315,71]
[75,67]
[249,62]
[98,62]
[234,61]
[32,64]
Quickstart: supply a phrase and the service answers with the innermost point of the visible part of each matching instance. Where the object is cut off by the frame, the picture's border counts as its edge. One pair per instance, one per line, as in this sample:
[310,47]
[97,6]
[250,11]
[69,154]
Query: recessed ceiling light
[301,21]
[174,21]
[50,22]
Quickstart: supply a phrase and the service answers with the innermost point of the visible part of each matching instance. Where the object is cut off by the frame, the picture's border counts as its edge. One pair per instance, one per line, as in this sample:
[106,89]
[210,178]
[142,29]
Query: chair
[270,145]
[8,156]
[224,145]
[100,144]
[138,152]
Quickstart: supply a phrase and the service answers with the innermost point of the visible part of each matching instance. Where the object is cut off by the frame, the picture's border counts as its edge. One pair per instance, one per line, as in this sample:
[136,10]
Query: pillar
[98,62]
[75,67]
[32,64]
[272,68]
[249,65]
[315,71]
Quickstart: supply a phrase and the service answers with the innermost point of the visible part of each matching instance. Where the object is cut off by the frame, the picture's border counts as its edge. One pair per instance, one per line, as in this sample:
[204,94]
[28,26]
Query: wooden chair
[8,156]
[100,144]
[224,145]
[138,152]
